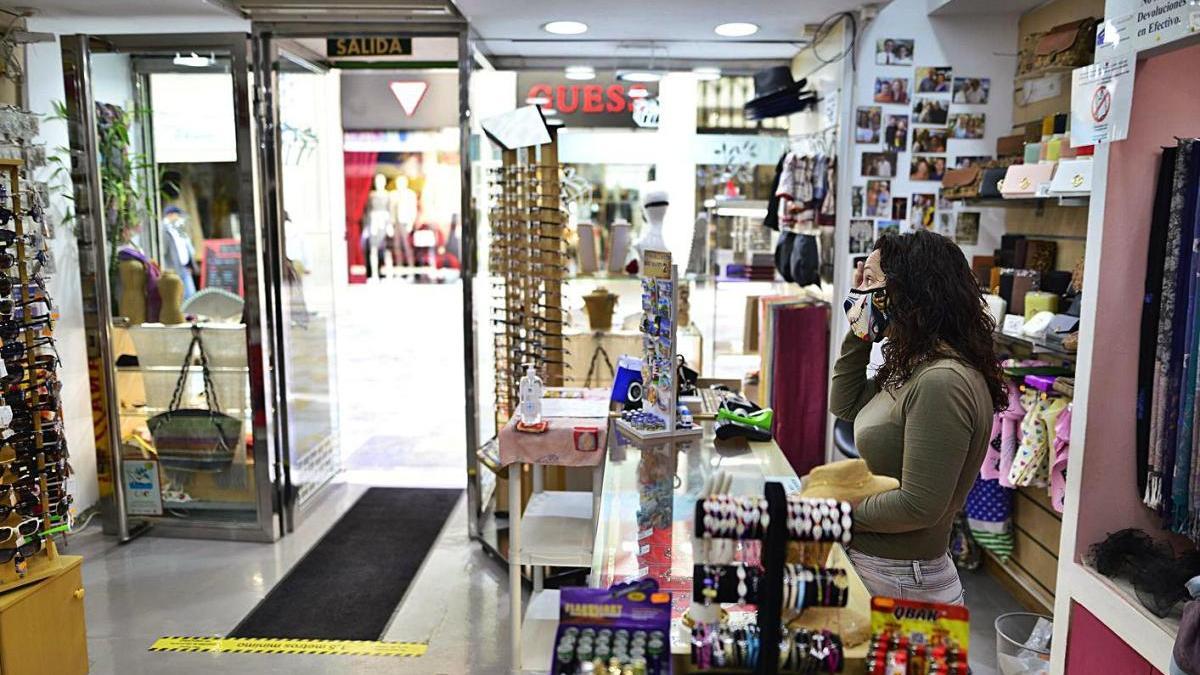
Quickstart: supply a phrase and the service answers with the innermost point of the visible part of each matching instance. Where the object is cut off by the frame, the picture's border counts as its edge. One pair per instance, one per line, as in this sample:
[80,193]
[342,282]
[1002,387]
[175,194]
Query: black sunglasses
[26,550]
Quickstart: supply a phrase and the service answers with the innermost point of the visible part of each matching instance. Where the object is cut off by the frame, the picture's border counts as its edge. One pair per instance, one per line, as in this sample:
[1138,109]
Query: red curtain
[360,173]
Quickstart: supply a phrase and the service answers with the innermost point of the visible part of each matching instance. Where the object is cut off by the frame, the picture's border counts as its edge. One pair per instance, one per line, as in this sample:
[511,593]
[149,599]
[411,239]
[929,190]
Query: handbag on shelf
[1010,146]
[195,439]
[961,183]
[992,183]
[1067,45]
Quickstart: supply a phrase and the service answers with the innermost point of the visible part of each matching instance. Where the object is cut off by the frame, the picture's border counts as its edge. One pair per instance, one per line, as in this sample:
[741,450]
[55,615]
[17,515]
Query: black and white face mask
[867,314]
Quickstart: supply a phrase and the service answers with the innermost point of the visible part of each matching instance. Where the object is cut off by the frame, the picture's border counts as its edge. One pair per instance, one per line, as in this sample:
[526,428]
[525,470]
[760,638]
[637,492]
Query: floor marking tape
[287,646]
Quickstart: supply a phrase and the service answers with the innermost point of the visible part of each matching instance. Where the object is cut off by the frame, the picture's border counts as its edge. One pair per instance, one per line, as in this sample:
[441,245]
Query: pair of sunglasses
[13,328]
[16,349]
[24,528]
[26,550]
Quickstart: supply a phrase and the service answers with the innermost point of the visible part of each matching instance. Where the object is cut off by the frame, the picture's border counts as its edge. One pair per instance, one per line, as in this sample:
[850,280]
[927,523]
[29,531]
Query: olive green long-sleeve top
[931,434]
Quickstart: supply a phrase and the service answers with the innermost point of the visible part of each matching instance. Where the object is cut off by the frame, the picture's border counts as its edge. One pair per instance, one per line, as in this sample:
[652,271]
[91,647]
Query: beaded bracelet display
[802,650]
[732,517]
[819,520]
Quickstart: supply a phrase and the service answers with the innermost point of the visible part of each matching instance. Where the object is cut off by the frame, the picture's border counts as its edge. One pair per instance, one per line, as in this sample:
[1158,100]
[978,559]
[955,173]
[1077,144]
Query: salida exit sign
[368,45]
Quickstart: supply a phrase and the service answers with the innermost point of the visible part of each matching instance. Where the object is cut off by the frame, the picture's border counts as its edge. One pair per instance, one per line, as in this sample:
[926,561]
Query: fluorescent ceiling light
[537,100]
[549,111]
[736,29]
[707,73]
[193,61]
[565,27]
[638,91]
[639,76]
[580,73]
[554,122]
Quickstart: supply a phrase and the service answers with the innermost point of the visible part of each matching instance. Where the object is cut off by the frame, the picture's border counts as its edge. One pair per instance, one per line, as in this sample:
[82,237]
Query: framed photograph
[879,198]
[943,204]
[862,236]
[927,168]
[945,225]
[891,90]
[967,125]
[895,134]
[894,52]
[933,80]
[930,111]
[963,162]
[967,231]
[899,208]
[856,201]
[879,164]
[929,140]
[922,210]
[971,90]
[867,122]
[883,227]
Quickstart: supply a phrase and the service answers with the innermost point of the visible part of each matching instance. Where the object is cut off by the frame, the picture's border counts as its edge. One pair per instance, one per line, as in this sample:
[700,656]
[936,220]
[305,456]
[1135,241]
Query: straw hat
[847,480]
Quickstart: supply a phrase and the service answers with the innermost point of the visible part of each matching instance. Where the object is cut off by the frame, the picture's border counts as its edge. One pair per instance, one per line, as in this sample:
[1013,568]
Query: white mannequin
[404,215]
[654,202]
[379,222]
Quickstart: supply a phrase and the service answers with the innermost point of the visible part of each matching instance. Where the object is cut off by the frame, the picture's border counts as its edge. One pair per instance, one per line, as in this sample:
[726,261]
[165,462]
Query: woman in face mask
[926,416]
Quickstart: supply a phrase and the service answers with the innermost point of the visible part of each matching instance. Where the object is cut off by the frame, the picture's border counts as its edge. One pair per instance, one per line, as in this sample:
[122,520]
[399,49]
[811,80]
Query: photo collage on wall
[917,111]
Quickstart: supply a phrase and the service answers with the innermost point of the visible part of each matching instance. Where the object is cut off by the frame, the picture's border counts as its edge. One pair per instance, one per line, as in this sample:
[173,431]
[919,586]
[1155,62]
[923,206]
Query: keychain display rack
[659,416]
[40,467]
[775,519]
[528,262]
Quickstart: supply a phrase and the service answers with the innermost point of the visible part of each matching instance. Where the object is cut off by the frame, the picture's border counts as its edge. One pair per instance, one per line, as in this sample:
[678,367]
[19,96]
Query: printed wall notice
[143,495]
[1134,25]
[1101,98]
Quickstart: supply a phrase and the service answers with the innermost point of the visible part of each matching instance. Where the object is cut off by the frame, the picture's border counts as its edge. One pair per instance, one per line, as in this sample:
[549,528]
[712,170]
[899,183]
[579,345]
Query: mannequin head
[401,182]
[655,203]
[380,182]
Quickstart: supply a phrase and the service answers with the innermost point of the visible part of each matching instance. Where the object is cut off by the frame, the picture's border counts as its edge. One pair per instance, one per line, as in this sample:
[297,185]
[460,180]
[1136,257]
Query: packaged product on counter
[917,638]
[623,629]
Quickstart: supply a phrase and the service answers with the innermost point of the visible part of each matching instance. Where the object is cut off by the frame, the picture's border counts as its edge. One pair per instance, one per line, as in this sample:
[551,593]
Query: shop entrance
[365,153]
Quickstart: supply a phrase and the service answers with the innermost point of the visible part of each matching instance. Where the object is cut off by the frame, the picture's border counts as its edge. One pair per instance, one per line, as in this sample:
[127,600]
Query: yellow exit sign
[368,45]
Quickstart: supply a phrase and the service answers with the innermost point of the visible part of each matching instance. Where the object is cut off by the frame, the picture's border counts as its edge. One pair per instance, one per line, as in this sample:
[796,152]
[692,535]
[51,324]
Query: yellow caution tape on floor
[287,646]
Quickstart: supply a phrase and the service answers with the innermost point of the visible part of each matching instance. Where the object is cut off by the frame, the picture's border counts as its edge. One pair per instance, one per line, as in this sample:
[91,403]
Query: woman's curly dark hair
[936,311]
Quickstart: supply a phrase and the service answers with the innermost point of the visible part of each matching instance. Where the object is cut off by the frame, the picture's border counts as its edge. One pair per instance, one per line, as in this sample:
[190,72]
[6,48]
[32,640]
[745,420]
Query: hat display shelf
[528,260]
[46,562]
[769,594]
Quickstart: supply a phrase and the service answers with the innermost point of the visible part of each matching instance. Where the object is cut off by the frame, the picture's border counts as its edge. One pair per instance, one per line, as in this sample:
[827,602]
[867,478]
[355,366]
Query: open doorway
[369,164]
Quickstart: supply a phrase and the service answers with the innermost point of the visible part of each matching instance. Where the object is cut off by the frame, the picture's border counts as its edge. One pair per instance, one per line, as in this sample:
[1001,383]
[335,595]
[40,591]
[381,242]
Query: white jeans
[924,580]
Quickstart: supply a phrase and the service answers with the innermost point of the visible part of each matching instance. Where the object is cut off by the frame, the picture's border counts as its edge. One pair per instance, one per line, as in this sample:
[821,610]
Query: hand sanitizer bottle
[530,392]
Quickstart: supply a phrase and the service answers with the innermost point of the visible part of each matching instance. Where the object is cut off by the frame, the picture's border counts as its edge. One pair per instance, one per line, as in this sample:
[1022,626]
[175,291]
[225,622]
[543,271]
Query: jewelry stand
[46,562]
[769,592]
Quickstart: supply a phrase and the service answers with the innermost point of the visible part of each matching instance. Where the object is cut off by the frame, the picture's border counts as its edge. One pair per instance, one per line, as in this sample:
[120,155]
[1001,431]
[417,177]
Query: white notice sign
[1101,98]
[1136,25]
[143,496]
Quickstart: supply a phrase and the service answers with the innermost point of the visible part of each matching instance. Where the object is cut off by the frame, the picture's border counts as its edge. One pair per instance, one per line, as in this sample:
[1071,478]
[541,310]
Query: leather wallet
[1010,146]
[1072,178]
[1026,180]
[993,181]
[1040,255]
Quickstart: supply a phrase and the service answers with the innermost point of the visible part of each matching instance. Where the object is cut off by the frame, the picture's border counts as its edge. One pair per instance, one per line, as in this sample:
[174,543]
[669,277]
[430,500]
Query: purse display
[1010,146]
[1068,45]
[1073,178]
[992,183]
[1024,181]
[962,183]
[195,439]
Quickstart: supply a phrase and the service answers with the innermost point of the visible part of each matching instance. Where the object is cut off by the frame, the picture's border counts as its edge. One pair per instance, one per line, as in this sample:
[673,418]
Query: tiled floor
[393,394]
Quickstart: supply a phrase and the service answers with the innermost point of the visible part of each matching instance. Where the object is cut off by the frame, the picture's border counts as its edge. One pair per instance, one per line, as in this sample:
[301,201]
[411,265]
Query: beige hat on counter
[847,480]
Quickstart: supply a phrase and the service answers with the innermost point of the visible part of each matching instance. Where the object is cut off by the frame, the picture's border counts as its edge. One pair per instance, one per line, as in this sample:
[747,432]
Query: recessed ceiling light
[565,27]
[580,72]
[639,76]
[736,29]
[707,73]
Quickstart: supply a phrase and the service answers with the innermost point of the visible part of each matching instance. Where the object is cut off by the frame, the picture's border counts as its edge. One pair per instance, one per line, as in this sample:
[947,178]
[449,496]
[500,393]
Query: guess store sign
[600,102]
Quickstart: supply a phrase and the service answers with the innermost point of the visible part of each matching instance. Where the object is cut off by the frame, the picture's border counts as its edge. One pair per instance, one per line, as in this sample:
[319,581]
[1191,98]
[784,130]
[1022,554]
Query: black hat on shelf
[777,94]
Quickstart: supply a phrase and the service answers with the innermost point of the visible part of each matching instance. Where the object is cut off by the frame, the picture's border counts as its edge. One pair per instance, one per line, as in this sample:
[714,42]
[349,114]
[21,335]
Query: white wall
[44,86]
[973,47]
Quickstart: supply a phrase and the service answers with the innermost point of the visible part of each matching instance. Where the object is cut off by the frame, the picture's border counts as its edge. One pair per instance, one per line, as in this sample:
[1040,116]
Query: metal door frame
[265,32]
[90,232]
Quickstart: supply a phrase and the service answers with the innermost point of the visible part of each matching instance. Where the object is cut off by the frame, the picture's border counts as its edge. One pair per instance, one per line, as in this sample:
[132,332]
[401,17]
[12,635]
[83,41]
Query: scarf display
[1169,431]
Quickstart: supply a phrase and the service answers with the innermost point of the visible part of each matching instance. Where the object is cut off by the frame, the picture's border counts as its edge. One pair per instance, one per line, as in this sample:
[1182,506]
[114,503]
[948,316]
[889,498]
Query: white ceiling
[678,29]
[115,8]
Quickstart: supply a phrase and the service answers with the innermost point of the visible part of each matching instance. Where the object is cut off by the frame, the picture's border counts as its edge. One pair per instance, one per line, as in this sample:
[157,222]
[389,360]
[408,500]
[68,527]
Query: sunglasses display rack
[527,262]
[35,444]
[659,417]
[777,589]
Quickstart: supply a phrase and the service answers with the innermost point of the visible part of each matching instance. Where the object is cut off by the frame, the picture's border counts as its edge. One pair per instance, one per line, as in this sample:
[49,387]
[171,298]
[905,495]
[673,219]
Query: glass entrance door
[170,262]
[299,131]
